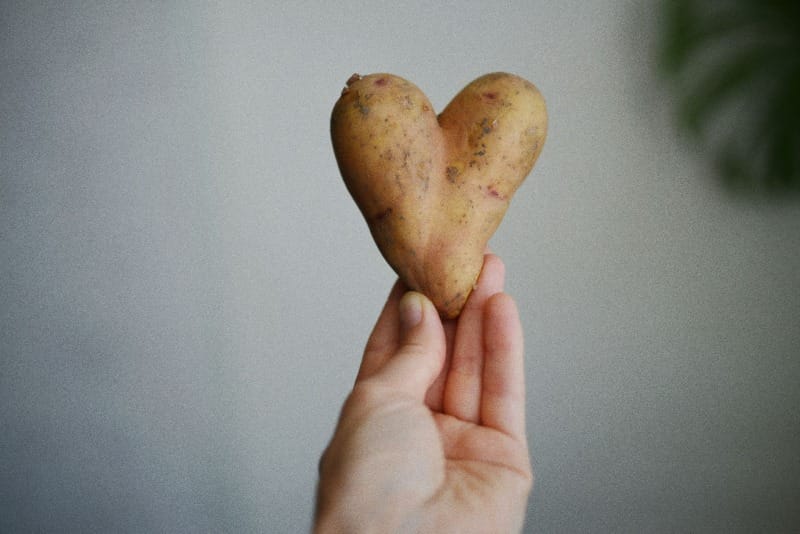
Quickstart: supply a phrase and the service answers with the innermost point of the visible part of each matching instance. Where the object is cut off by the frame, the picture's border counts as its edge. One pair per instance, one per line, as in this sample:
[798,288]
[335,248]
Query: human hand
[432,436]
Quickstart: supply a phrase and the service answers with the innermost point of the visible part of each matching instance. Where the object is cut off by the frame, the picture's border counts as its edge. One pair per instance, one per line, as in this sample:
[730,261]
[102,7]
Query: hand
[432,437]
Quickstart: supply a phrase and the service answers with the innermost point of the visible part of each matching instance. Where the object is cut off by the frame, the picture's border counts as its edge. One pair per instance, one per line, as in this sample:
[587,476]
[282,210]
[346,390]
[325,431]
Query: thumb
[421,348]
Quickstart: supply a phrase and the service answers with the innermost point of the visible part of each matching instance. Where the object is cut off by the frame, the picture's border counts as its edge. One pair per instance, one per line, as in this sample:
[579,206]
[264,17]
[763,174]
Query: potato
[434,189]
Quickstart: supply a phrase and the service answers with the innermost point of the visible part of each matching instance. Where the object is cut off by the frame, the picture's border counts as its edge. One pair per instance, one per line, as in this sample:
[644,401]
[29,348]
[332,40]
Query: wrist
[338,520]
[359,514]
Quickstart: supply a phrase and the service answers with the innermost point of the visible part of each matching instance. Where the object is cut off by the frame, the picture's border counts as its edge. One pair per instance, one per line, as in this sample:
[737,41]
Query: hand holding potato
[432,437]
[434,189]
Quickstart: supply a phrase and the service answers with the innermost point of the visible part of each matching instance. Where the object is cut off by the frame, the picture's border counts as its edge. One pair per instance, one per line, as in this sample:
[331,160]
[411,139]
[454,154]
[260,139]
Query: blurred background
[186,286]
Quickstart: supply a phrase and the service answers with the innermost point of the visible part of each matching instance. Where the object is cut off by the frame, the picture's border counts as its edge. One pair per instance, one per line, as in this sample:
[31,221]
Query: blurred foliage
[736,66]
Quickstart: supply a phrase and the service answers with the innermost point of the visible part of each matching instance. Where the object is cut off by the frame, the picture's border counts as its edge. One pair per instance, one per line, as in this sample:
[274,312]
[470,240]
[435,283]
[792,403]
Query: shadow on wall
[735,67]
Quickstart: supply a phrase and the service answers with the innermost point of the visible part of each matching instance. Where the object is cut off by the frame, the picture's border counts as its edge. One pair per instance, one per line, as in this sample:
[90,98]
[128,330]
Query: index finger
[503,395]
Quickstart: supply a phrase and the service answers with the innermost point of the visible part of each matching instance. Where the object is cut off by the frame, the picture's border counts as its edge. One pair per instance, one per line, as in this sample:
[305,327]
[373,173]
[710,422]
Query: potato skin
[386,142]
[434,189]
[496,126]
[390,150]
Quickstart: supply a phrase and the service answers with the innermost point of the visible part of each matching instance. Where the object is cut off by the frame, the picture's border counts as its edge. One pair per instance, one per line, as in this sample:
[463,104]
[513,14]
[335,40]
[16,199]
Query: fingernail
[410,310]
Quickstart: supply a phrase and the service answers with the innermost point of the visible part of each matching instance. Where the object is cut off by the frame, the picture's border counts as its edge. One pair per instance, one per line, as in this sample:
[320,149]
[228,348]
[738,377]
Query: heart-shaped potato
[434,189]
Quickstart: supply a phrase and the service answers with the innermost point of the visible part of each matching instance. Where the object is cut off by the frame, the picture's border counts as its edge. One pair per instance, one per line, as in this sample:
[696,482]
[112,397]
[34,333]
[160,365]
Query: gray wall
[186,286]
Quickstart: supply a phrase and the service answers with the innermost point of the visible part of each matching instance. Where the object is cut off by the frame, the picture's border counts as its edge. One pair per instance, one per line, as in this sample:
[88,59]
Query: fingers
[462,393]
[503,395]
[420,352]
[383,340]
[433,399]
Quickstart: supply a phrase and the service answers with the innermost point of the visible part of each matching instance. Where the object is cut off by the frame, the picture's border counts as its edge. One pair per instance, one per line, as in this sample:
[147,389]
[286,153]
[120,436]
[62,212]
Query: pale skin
[432,436]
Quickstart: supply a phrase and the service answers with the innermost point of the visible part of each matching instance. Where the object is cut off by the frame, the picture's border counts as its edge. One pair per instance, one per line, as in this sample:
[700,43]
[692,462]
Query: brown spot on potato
[452,172]
[382,215]
[360,105]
